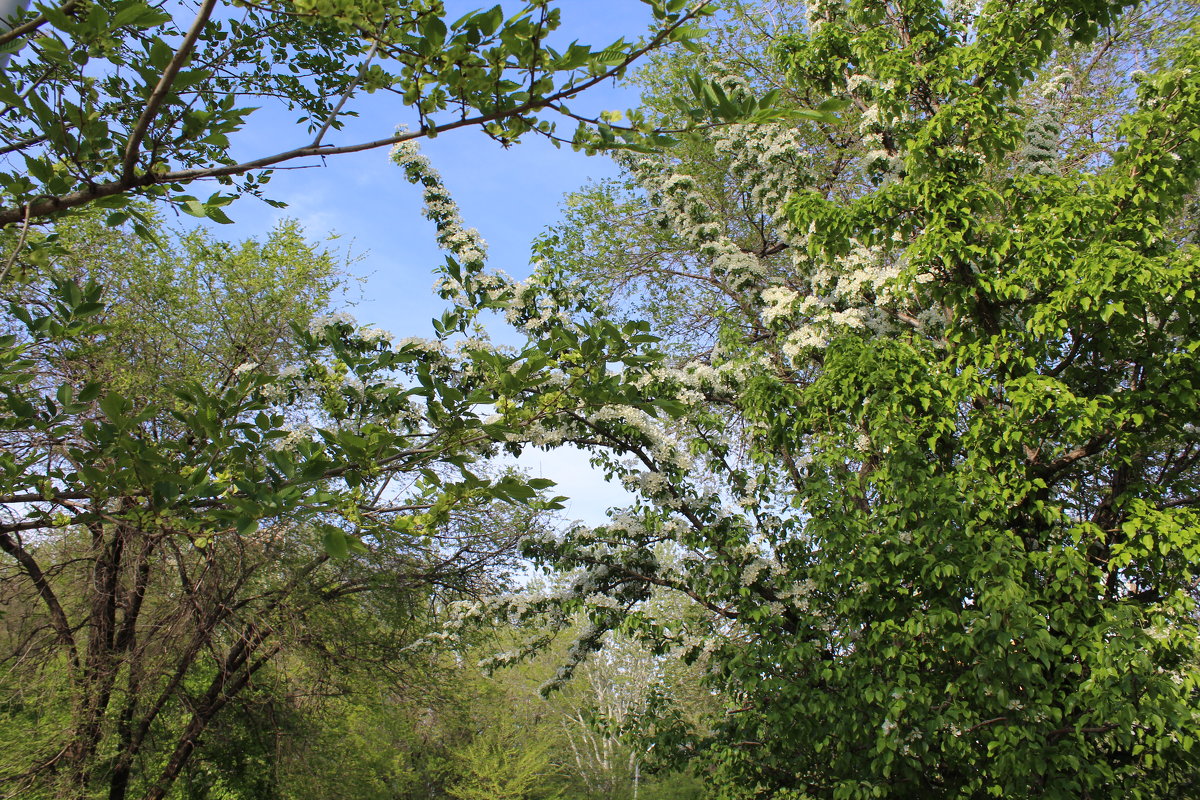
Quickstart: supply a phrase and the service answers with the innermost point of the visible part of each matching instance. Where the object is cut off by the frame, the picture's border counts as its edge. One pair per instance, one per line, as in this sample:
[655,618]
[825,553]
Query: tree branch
[346,94]
[159,94]
[129,181]
[33,24]
[58,617]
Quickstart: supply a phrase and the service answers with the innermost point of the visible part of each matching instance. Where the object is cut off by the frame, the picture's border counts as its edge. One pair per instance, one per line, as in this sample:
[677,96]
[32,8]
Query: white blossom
[320,323]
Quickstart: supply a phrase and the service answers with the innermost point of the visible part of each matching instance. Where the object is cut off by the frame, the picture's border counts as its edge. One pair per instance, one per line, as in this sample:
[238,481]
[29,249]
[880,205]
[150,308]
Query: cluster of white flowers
[869,118]
[712,381]
[868,269]
[1058,80]
[798,342]
[470,343]
[465,244]
[665,449]
[964,10]
[768,160]
[318,324]
[879,159]
[857,80]
[683,207]
[815,14]
[463,615]
[650,484]
[1159,633]
[822,299]
[739,268]
[542,433]
[626,523]
[797,594]
[597,600]
[753,571]
[858,291]
[778,301]
[497,660]
[535,304]
[730,79]
[295,435]
[371,335]
[279,390]
[422,345]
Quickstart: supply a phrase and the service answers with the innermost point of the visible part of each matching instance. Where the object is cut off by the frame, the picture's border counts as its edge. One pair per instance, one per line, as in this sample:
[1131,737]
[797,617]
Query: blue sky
[510,195]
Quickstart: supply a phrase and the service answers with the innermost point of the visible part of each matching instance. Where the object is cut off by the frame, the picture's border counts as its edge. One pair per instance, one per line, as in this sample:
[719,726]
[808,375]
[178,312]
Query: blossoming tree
[931,488]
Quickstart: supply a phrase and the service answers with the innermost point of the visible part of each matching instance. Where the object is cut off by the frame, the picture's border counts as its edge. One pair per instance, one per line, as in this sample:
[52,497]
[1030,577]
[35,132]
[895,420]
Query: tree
[933,489]
[167,540]
[505,763]
[603,709]
[616,235]
[118,98]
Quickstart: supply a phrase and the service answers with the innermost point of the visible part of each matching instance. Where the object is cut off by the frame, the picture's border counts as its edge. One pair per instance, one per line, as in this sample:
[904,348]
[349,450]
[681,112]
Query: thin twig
[346,95]
[985,723]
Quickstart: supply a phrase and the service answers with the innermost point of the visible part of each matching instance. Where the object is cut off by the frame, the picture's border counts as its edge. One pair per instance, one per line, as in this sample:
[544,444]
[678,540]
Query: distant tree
[505,762]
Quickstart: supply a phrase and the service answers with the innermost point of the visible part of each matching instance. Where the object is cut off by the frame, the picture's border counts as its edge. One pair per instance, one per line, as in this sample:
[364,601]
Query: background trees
[170,511]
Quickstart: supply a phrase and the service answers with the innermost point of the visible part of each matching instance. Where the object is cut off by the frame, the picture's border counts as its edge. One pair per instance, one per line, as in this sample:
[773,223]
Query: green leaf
[113,405]
[217,215]
[139,15]
[336,542]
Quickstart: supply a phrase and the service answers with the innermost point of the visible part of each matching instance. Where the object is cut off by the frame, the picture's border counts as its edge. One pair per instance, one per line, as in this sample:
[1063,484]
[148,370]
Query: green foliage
[504,762]
[111,99]
[194,308]
[918,498]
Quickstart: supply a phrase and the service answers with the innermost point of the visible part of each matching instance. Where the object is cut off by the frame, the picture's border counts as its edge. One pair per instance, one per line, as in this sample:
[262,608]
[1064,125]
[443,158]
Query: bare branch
[362,71]
[58,617]
[17,250]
